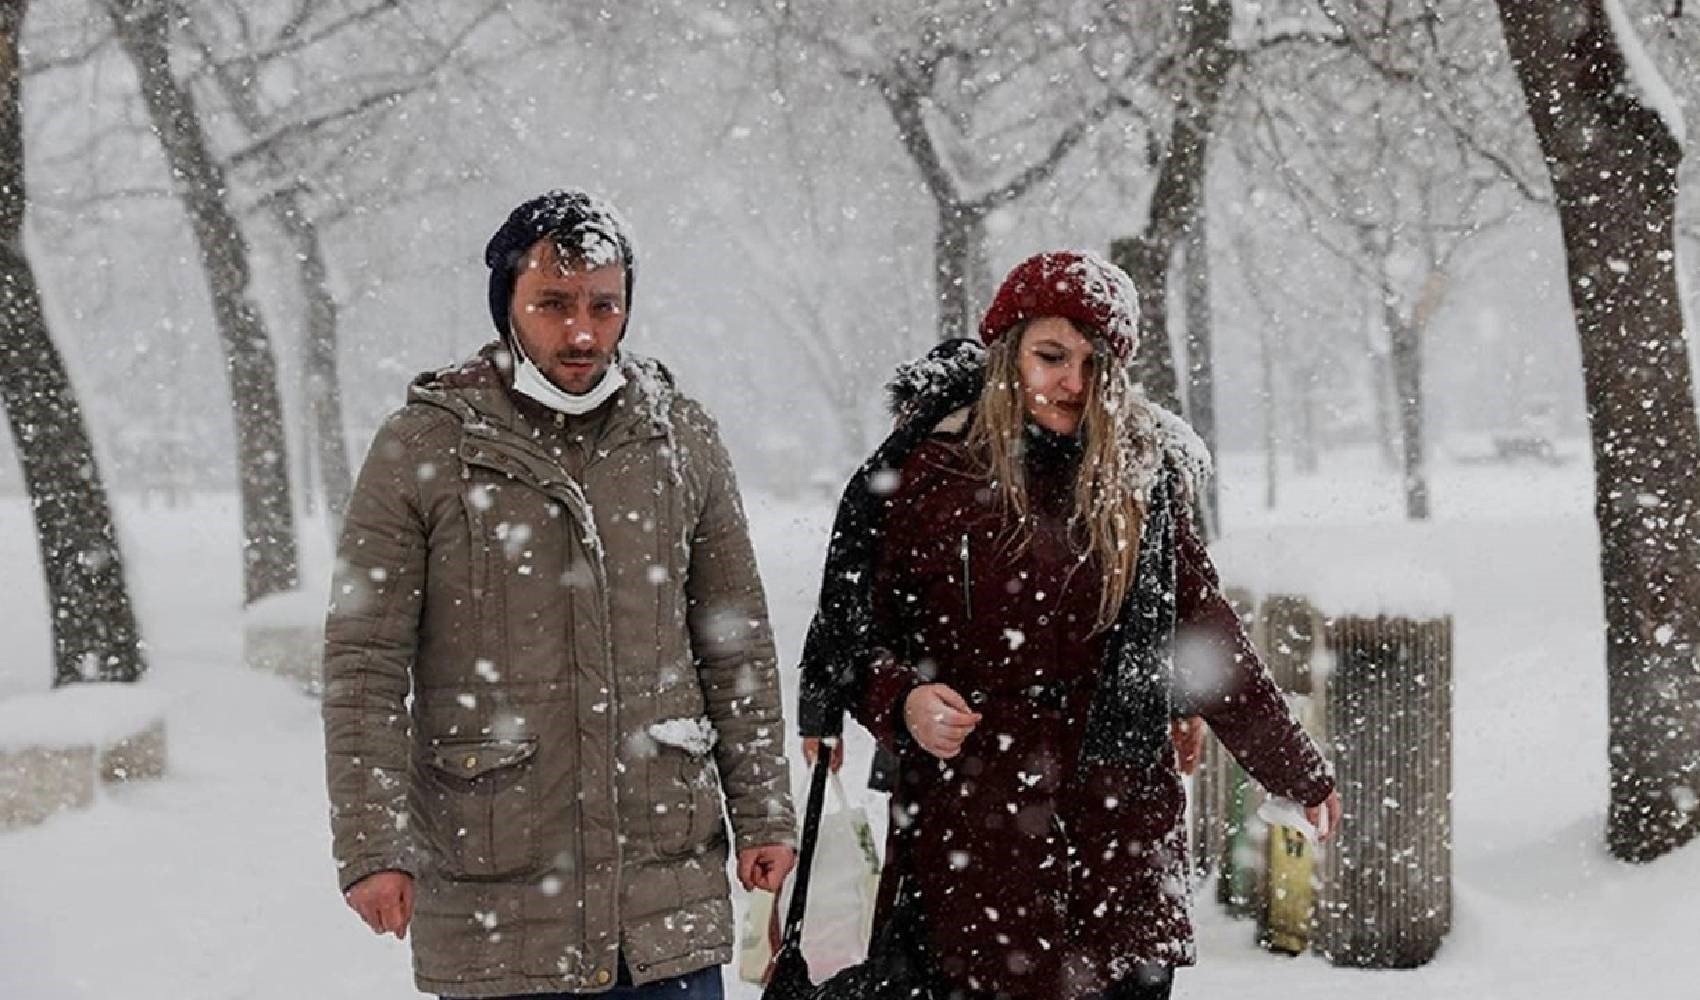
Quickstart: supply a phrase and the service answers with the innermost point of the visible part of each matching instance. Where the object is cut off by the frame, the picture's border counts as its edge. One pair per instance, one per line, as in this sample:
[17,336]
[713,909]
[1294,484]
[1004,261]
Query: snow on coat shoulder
[1183,447]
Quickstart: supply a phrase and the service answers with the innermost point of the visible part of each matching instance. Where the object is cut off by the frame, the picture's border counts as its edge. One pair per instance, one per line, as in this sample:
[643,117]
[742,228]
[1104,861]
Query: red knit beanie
[1083,288]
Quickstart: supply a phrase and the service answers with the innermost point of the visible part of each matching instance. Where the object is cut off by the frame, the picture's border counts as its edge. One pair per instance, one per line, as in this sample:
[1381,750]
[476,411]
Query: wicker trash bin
[1385,896]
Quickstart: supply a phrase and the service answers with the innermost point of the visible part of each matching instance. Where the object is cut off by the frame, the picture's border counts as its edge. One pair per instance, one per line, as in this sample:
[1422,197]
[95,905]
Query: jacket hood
[478,390]
[956,370]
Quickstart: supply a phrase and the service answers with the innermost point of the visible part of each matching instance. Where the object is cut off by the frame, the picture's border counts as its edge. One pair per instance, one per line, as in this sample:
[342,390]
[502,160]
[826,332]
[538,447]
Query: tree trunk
[1381,386]
[94,627]
[1406,354]
[1613,164]
[1174,201]
[1307,457]
[324,447]
[1380,381]
[1201,362]
[268,520]
[1271,459]
[1147,263]
[324,393]
[958,268]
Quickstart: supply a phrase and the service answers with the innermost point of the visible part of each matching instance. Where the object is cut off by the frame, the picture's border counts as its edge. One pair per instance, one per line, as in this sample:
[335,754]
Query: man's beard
[600,361]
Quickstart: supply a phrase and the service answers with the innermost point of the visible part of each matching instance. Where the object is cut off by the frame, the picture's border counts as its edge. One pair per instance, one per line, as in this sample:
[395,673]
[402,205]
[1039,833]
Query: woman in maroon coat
[1045,608]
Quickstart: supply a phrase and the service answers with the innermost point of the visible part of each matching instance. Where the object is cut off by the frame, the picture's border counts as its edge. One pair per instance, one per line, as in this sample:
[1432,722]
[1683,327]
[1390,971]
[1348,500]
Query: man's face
[568,319]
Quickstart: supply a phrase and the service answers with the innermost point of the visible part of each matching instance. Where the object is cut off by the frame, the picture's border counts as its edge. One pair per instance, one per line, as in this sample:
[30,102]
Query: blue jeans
[703,984]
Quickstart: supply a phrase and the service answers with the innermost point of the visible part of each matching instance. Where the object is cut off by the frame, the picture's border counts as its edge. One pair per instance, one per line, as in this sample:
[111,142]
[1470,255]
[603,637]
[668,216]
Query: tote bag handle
[811,833]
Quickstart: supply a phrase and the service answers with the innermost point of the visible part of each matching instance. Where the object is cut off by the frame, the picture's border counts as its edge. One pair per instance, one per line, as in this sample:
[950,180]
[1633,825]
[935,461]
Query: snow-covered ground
[216,882]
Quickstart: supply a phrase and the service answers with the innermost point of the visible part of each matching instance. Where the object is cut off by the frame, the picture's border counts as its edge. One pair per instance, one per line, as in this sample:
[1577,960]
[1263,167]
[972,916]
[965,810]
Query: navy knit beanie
[574,219]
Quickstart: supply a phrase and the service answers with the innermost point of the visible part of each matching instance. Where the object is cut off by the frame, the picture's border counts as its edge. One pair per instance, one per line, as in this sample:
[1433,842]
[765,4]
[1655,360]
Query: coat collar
[955,368]
[480,393]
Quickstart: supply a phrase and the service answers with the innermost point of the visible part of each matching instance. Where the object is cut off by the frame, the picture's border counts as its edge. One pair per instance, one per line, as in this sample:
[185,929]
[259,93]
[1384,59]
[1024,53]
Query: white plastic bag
[842,890]
[755,942]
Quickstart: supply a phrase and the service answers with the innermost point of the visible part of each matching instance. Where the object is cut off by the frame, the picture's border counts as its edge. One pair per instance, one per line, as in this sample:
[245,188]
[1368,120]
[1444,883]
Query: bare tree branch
[75,59]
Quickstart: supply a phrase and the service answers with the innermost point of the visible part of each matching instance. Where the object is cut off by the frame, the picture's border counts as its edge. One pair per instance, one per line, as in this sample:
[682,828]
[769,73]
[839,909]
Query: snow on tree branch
[1650,89]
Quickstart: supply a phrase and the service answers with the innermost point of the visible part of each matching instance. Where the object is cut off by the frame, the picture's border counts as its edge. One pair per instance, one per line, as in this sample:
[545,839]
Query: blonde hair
[1118,457]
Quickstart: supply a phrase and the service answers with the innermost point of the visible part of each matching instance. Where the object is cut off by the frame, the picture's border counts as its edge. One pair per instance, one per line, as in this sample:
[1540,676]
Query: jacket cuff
[765,835]
[1315,790]
[358,869]
[888,687]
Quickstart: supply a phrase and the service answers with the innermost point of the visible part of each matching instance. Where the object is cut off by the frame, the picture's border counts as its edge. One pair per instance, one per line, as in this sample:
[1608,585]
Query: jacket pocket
[479,799]
[688,817]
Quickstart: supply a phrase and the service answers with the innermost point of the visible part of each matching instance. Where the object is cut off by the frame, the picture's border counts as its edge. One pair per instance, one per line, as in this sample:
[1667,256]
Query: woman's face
[1056,365]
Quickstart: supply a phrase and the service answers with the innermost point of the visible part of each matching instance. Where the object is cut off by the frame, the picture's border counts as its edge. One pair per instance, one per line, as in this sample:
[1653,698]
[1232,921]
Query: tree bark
[958,260]
[324,395]
[1613,164]
[1381,386]
[1405,353]
[268,520]
[1174,201]
[1201,360]
[1307,451]
[1271,457]
[324,445]
[95,636]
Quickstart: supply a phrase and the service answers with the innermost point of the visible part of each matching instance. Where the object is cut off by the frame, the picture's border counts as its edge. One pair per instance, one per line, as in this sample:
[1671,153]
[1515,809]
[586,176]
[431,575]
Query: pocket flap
[471,758]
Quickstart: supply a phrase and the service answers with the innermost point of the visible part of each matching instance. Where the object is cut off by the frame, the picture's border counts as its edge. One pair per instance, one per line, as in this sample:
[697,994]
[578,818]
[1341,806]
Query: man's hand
[811,750]
[384,900]
[939,719]
[765,867]
[1188,736]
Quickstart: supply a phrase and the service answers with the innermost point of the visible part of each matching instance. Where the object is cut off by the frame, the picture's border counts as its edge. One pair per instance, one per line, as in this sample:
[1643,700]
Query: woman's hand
[1188,736]
[939,719]
[1325,817]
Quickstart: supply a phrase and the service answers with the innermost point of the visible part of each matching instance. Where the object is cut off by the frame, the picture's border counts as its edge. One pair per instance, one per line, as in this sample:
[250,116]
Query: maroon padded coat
[1037,877]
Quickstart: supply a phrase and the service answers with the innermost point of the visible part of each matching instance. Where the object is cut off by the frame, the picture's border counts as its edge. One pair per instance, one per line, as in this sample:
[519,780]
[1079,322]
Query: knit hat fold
[1080,287]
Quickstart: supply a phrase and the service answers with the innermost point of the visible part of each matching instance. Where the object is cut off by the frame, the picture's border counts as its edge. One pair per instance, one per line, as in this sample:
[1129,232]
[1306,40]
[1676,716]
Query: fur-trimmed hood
[955,367]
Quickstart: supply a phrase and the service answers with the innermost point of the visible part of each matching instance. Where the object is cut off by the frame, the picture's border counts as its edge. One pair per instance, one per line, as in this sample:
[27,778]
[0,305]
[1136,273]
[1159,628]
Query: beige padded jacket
[541,690]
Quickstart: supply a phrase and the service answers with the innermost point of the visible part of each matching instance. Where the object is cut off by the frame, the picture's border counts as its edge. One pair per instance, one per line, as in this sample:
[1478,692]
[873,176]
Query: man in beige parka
[547,660]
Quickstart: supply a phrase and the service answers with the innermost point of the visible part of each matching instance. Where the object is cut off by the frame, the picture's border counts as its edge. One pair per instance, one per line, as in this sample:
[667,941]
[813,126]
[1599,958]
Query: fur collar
[953,363]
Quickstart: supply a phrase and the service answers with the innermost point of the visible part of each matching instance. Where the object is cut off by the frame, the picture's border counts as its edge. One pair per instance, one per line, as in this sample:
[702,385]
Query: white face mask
[530,381]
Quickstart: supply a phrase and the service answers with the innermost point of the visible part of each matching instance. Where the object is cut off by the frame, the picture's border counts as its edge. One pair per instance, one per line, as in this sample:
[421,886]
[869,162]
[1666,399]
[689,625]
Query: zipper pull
[967,590]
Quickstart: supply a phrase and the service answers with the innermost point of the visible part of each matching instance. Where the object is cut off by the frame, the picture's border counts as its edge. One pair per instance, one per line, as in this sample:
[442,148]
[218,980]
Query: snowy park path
[216,882]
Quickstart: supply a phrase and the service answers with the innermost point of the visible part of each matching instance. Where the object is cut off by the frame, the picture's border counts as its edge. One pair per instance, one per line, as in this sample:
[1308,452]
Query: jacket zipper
[967,590]
[1067,863]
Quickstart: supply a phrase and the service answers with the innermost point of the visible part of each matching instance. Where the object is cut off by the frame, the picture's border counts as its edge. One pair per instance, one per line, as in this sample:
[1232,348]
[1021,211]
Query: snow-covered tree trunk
[1200,357]
[958,260]
[1613,160]
[268,519]
[1266,405]
[1380,373]
[323,443]
[1405,355]
[1174,203]
[94,627]
[324,392]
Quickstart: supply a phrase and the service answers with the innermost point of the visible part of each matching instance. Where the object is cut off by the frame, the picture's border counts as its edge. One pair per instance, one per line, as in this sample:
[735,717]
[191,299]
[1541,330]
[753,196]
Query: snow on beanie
[578,220]
[1080,287]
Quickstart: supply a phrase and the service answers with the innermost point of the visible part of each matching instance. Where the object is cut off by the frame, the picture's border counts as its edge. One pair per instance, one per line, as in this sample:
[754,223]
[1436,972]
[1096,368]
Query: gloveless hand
[765,867]
[811,749]
[1325,816]
[939,719]
[384,900]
